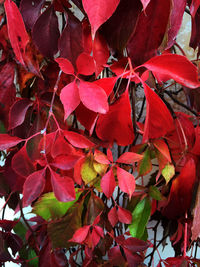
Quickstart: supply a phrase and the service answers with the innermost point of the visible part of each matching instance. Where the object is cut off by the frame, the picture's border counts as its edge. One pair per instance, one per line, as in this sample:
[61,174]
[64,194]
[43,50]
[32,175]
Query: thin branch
[180,104]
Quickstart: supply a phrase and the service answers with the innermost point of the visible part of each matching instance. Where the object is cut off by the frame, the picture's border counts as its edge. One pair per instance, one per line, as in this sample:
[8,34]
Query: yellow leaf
[168,172]
[88,172]
[100,168]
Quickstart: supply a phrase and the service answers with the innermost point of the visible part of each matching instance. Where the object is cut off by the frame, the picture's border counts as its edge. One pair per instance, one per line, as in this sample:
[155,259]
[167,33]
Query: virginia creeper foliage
[95,163]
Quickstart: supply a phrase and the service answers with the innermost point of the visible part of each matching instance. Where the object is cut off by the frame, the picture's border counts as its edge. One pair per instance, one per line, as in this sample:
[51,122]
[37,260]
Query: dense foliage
[93,161]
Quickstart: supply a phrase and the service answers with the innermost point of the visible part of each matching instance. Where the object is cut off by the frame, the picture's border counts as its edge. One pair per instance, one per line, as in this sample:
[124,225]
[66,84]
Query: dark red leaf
[18,112]
[133,260]
[63,187]
[112,216]
[195,35]
[154,21]
[158,118]
[85,64]
[129,158]
[80,234]
[175,67]
[115,256]
[93,97]
[7,141]
[30,11]
[126,181]
[21,163]
[70,42]
[8,225]
[33,187]
[122,128]
[65,65]
[16,30]
[70,98]
[77,140]
[108,183]
[99,11]
[125,17]
[65,162]
[176,17]
[124,215]
[135,244]
[46,33]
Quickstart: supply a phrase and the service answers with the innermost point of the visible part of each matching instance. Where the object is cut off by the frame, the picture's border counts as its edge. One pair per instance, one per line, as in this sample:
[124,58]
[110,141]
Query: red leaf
[101,157]
[181,191]
[163,148]
[86,117]
[70,98]
[18,112]
[65,65]
[33,187]
[30,11]
[85,64]
[112,216]
[176,18]
[46,33]
[97,233]
[107,84]
[63,187]
[175,67]
[80,234]
[149,31]
[7,92]
[108,183]
[124,215]
[16,30]
[158,118]
[129,158]
[59,146]
[95,237]
[194,7]
[7,141]
[93,97]
[77,140]
[99,11]
[126,181]
[122,128]
[65,162]
[196,219]
[100,53]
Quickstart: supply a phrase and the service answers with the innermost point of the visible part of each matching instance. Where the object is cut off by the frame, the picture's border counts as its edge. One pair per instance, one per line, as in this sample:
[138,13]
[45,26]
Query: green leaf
[145,166]
[168,172]
[140,217]
[155,193]
[48,207]
[20,230]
